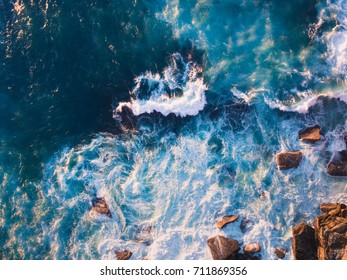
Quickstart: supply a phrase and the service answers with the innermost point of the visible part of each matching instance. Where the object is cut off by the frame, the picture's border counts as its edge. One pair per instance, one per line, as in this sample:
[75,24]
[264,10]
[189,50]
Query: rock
[303,242]
[223,248]
[226,220]
[246,224]
[310,134]
[331,232]
[252,248]
[327,207]
[123,255]
[100,206]
[338,165]
[280,252]
[288,160]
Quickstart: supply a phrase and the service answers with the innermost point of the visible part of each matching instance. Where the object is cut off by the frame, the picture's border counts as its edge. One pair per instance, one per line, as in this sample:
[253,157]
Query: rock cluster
[331,232]
[327,240]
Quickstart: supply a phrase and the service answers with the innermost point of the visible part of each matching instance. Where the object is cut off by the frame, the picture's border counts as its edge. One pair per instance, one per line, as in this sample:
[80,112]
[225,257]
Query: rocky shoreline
[326,240]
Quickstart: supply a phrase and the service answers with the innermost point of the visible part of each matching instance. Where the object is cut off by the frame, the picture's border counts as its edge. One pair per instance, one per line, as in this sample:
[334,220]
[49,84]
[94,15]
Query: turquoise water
[172,111]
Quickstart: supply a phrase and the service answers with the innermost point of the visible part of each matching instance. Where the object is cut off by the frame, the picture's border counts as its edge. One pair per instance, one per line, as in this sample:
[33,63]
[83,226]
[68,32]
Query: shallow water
[215,90]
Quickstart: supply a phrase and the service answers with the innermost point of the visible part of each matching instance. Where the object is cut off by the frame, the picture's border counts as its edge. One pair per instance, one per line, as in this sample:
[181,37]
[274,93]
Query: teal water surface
[172,111]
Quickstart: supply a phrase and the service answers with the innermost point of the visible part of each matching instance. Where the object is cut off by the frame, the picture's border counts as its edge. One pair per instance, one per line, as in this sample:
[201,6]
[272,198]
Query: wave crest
[180,90]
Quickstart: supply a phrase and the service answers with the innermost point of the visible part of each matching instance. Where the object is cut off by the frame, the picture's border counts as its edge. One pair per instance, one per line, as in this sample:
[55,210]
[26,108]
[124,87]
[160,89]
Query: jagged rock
[226,220]
[246,224]
[331,232]
[252,248]
[100,206]
[280,252]
[223,248]
[310,134]
[288,160]
[338,165]
[123,255]
[303,242]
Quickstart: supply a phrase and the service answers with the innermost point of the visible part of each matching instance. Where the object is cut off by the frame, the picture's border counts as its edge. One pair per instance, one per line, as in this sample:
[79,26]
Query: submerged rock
[223,248]
[226,220]
[338,165]
[303,242]
[123,255]
[310,134]
[252,248]
[246,224]
[288,160]
[100,206]
[331,232]
[280,252]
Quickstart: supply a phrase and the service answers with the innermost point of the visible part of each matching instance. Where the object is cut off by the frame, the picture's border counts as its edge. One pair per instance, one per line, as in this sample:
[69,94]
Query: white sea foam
[337,38]
[179,90]
[305,104]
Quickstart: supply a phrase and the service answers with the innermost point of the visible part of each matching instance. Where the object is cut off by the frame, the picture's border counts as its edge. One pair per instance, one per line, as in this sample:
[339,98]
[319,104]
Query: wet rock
[252,248]
[303,242]
[226,220]
[246,224]
[310,134]
[280,252]
[288,160]
[338,165]
[123,255]
[331,232]
[223,248]
[100,206]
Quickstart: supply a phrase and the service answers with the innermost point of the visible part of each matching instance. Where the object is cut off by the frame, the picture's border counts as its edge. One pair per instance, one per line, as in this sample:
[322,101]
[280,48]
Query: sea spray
[179,90]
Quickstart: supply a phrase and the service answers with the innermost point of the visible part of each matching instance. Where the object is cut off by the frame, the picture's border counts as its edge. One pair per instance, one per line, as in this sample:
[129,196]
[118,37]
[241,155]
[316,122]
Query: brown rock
[123,255]
[280,252]
[100,206]
[252,248]
[331,232]
[310,134]
[304,245]
[338,165]
[226,220]
[288,160]
[223,248]
[327,207]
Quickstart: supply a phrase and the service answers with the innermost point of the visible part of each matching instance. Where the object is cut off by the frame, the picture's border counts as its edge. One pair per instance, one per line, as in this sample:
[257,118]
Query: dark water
[235,82]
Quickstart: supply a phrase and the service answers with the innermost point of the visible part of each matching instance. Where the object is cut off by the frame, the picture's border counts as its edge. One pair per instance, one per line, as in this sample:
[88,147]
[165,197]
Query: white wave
[305,104]
[179,76]
[336,39]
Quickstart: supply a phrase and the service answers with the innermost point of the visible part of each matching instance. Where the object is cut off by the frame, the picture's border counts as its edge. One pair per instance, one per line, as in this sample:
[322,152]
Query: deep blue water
[172,111]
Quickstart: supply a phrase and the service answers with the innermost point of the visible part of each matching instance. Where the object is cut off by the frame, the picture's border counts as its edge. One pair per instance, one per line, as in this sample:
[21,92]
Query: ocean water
[172,111]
